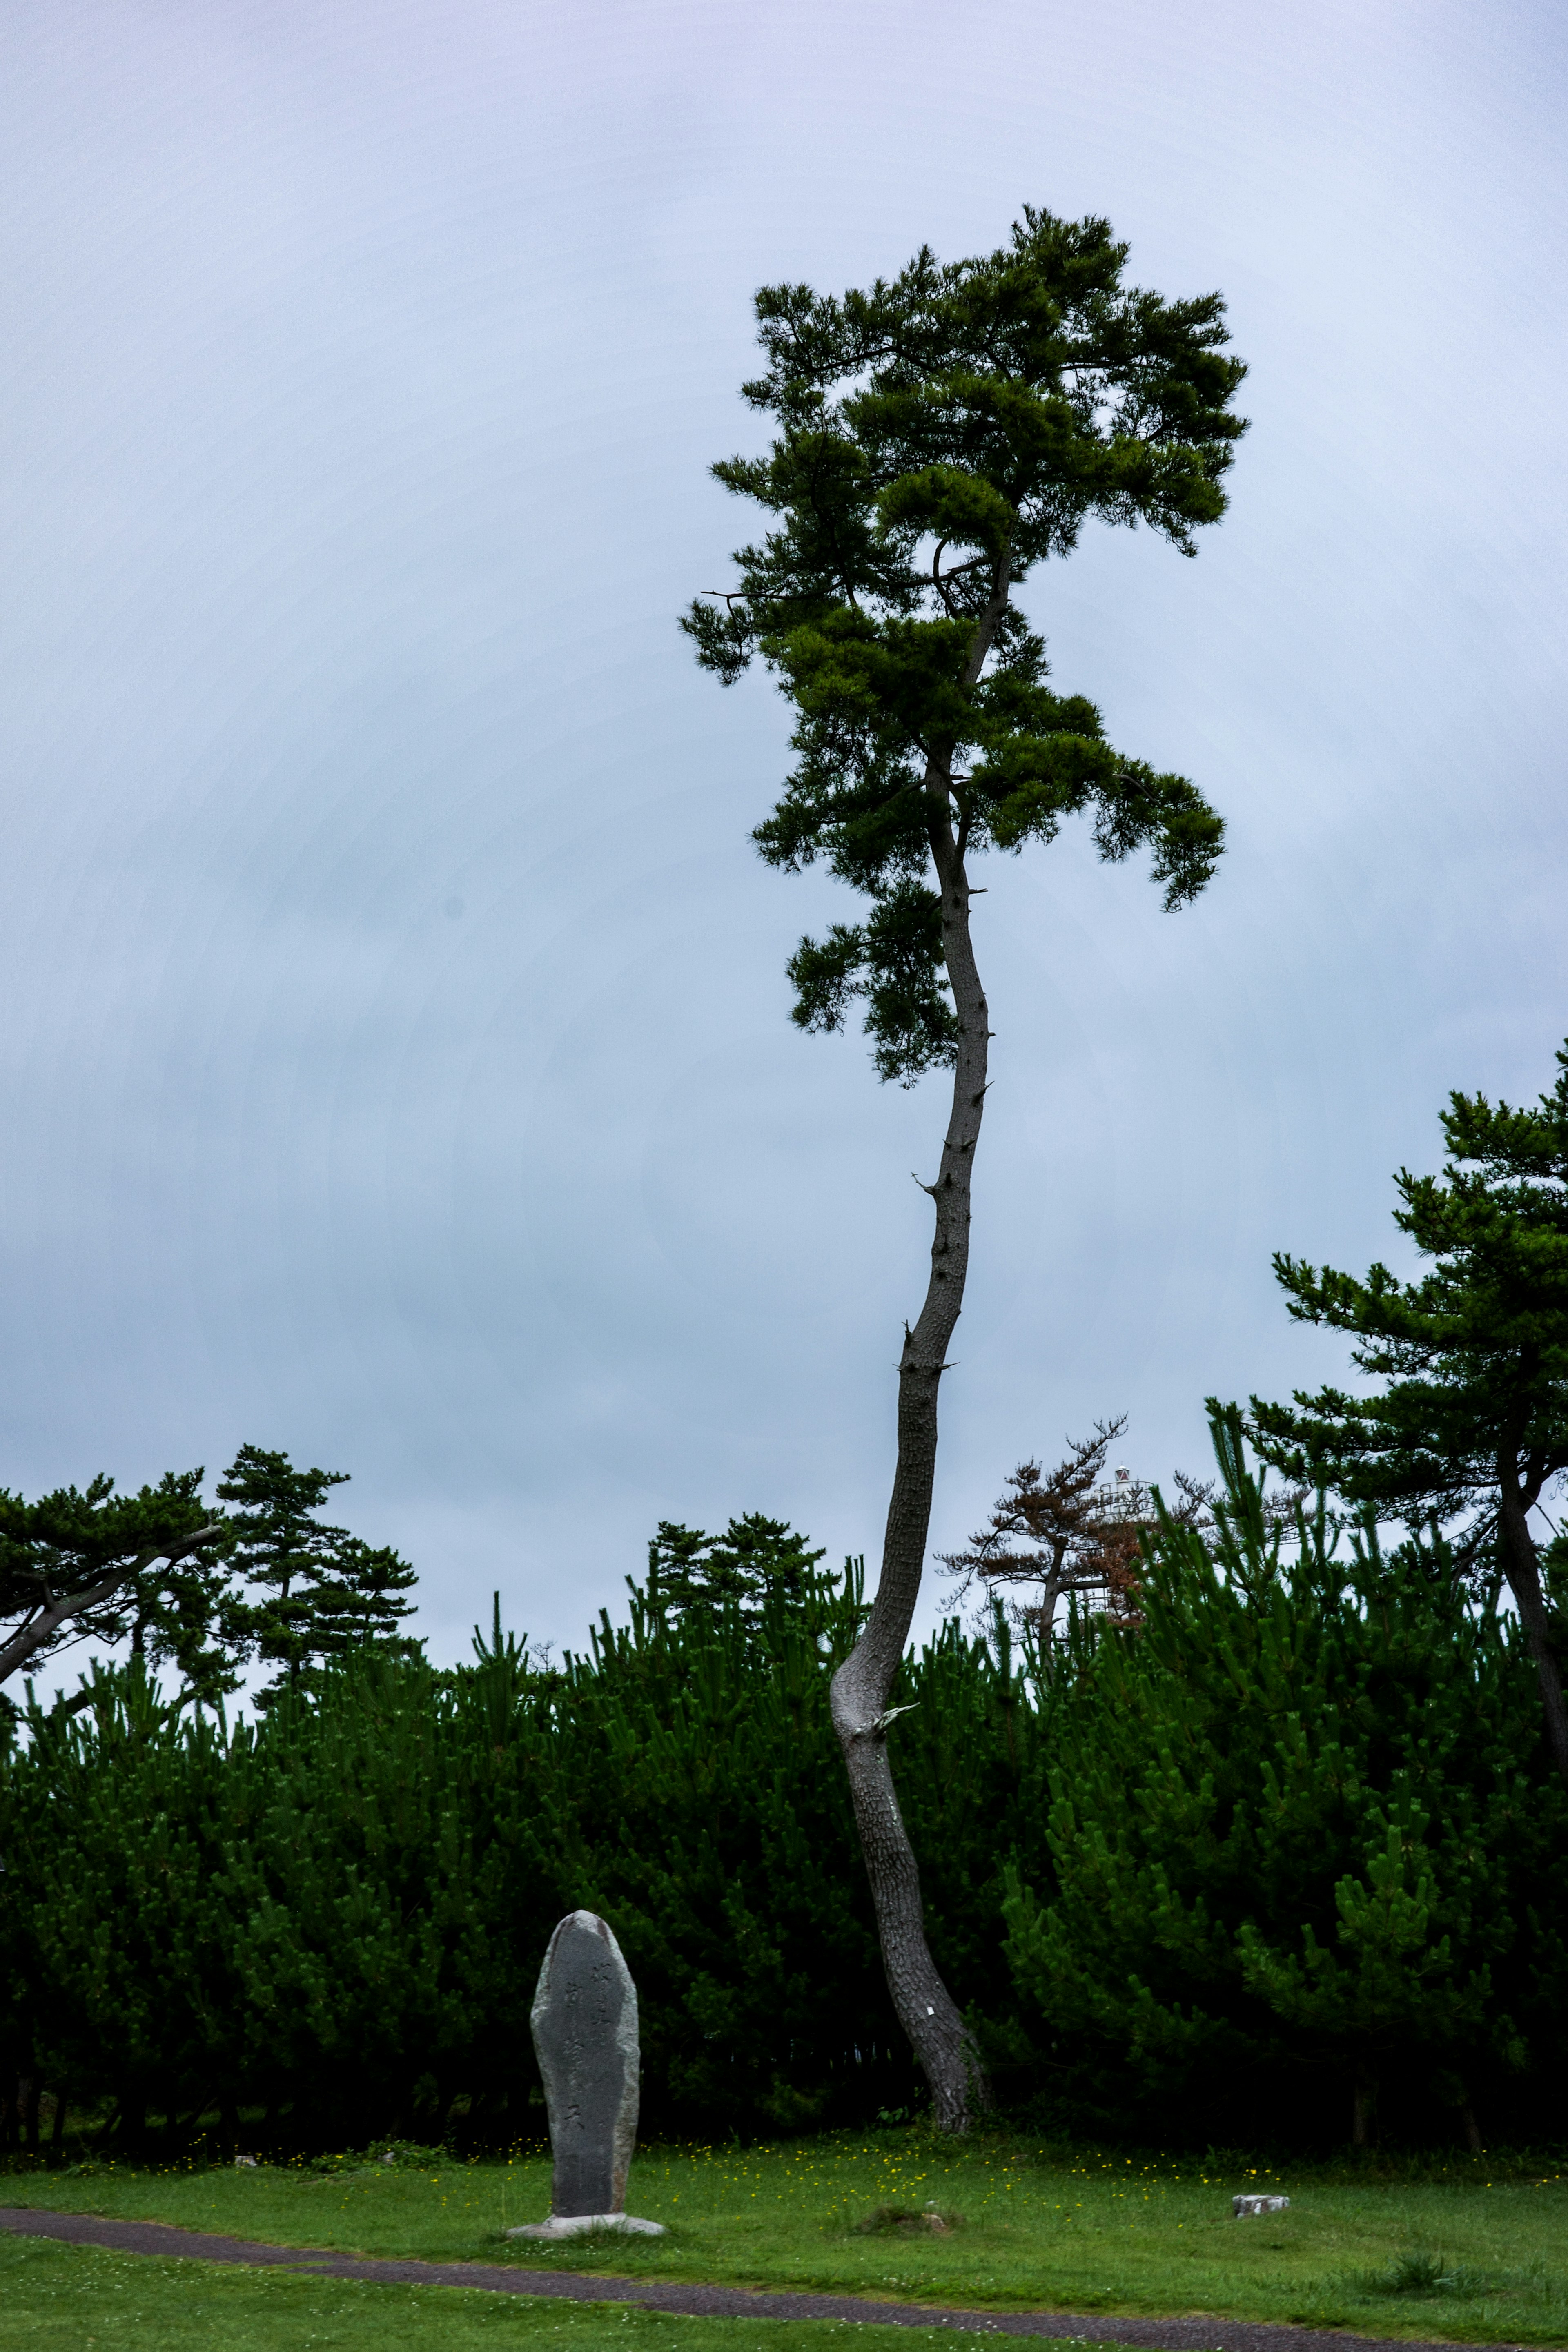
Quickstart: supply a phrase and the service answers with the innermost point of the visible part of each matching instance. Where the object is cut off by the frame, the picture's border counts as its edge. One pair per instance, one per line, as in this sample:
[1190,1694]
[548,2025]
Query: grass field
[1464,2256]
[79,2299]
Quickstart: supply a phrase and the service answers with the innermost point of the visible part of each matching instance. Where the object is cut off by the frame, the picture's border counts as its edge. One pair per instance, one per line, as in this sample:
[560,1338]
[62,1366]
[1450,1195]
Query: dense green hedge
[1292,1834]
[340,1914]
[1304,1855]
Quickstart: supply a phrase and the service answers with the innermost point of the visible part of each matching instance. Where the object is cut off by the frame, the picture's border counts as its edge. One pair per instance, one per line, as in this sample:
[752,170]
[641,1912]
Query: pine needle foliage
[940,435]
[1300,1847]
[333,1918]
[1471,1422]
[1282,1852]
[322,1592]
[90,1564]
[756,1562]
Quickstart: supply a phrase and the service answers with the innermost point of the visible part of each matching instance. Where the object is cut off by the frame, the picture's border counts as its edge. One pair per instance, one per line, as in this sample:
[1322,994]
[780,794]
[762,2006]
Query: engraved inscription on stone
[584,2021]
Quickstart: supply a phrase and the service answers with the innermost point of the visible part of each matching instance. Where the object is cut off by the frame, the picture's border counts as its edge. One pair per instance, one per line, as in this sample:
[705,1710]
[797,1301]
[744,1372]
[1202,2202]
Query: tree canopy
[323,1592]
[1301,1836]
[1472,1419]
[755,1563]
[88,1564]
[940,435]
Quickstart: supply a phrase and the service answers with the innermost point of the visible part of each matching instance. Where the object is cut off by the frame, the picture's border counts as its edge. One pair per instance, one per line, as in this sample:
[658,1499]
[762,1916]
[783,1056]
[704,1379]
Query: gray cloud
[395,1063]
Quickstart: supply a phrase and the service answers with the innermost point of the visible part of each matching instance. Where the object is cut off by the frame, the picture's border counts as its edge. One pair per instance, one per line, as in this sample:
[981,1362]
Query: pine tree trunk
[1363,2104]
[1523,1573]
[925,2008]
[862,1687]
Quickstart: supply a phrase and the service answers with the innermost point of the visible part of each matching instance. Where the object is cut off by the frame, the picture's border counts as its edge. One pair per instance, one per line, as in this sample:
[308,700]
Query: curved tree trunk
[926,2009]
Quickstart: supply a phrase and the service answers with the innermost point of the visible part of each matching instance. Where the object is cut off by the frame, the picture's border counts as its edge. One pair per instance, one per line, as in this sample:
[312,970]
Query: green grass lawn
[77,2298]
[1483,2260]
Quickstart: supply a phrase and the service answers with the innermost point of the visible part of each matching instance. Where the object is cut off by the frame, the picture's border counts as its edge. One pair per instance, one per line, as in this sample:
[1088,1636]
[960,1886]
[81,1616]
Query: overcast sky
[397,1066]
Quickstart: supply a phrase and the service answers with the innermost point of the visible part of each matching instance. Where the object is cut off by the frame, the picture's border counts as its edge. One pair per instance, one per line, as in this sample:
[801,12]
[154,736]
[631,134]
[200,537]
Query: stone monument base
[577,2225]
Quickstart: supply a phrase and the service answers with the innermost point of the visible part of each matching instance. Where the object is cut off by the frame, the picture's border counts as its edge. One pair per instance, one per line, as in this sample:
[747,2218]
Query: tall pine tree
[938,436]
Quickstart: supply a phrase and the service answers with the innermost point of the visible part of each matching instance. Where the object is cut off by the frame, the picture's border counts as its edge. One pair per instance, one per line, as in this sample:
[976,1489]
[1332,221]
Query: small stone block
[577,2225]
[1241,2206]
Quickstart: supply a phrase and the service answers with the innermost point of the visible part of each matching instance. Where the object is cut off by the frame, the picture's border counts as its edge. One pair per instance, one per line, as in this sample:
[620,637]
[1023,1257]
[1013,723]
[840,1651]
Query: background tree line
[1263,1841]
[204,1592]
[1268,1857]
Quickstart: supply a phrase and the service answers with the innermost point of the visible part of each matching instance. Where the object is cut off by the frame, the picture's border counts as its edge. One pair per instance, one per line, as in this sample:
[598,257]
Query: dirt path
[698,2302]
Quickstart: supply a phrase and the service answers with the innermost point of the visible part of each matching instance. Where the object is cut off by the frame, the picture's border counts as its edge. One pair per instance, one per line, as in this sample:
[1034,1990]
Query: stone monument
[584,2021]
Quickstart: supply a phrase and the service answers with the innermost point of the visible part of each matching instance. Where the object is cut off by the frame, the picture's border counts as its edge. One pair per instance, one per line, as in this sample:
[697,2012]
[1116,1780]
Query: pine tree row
[1269,1855]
